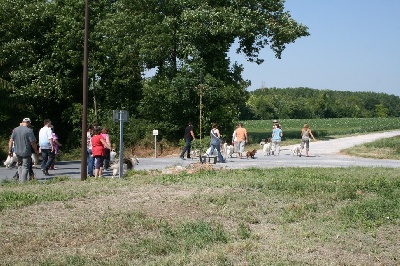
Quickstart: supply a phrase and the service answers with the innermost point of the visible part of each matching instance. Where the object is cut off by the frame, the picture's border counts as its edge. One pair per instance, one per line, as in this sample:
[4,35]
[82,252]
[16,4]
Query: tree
[41,55]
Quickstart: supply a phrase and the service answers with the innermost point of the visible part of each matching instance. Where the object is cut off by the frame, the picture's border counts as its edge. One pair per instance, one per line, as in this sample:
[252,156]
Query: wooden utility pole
[84,95]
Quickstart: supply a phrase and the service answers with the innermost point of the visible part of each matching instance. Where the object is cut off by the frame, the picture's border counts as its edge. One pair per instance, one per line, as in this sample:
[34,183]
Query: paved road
[322,154]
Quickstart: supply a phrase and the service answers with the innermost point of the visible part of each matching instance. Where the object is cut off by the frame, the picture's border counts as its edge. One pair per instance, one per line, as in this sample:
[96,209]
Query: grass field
[244,217]
[322,128]
[283,216]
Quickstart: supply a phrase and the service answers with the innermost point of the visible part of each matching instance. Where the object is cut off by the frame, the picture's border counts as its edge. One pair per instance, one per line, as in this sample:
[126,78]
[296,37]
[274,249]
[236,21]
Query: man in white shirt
[46,146]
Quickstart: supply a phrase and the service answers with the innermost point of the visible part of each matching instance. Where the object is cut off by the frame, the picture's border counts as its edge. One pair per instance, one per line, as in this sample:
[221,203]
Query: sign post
[121,116]
[155,133]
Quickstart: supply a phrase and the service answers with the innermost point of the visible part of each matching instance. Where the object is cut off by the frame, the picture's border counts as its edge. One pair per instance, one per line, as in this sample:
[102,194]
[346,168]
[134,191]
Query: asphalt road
[322,154]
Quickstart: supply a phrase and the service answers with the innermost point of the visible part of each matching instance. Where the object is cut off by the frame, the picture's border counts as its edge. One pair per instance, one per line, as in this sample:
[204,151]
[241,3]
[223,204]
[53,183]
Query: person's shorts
[235,146]
[98,162]
[241,146]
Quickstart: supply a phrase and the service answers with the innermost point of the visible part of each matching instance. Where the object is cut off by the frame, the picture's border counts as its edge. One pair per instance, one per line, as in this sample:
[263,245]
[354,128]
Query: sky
[354,45]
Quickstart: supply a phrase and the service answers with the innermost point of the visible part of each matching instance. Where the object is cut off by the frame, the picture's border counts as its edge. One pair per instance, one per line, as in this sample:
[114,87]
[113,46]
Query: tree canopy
[41,51]
[271,103]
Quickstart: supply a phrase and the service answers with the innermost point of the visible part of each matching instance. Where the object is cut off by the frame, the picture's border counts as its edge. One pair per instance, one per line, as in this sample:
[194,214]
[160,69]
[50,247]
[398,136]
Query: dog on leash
[208,152]
[296,150]
[127,164]
[113,154]
[227,150]
[251,154]
[267,145]
[11,161]
[194,153]
[35,159]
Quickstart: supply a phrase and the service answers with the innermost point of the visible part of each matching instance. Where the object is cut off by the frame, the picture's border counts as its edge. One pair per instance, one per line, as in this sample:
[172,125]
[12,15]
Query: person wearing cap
[46,146]
[275,122]
[24,142]
[276,139]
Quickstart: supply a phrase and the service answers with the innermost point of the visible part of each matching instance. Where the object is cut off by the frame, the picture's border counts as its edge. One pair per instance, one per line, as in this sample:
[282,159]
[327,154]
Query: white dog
[208,151]
[266,146]
[35,159]
[112,155]
[11,161]
[227,150]
[128,164]
[296,150]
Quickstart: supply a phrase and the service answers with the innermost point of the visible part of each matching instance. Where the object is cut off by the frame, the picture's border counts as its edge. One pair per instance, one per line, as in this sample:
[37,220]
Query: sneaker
[182,157]
[45,172]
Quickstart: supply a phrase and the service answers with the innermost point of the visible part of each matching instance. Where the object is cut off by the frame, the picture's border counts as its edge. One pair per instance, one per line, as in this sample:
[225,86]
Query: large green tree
[41,57]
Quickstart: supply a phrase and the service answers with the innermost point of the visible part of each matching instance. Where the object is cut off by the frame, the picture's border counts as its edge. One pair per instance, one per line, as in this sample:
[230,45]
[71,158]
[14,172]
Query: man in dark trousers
[189,137]
[24,142]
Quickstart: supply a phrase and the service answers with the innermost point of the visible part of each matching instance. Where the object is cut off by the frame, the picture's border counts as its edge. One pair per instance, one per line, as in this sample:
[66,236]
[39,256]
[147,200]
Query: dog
[11,161]
[127,164]
[194,154]
[227,150]
[113,154]
[251,154]
[208,152]
[35,159]
[267,145]
[296,150]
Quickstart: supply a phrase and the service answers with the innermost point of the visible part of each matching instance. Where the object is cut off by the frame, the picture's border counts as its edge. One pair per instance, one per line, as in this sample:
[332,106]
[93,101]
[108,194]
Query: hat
[275,121]
[27,120]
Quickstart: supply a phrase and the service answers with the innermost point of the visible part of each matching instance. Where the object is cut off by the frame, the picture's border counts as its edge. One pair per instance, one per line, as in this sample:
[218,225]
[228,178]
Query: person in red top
[98,151]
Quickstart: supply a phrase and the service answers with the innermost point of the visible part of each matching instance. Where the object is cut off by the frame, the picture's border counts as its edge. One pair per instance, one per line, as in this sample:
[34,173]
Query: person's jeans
[47,158]
[188,143]
[90,162]
[23,168]
[217,146]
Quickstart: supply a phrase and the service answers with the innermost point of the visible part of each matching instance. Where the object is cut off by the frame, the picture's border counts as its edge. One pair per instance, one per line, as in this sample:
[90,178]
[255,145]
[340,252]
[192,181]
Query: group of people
[240,139]
[277,134]
[98,150]
[24,143]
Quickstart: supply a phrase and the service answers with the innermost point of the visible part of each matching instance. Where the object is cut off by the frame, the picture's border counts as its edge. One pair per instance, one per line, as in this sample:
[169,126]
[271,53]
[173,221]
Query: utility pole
[84,95]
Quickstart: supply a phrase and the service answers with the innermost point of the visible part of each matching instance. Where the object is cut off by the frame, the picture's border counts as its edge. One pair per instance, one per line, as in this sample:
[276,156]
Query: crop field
[322,128]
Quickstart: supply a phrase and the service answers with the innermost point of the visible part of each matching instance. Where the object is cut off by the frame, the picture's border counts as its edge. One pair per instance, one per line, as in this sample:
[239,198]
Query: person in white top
[46,146]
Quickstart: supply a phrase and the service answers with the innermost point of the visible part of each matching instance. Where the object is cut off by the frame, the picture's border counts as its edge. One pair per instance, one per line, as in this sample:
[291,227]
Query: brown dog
[251,154]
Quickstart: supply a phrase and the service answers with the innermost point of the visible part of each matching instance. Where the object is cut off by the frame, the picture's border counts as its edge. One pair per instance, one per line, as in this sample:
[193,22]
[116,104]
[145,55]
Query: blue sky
[354,45]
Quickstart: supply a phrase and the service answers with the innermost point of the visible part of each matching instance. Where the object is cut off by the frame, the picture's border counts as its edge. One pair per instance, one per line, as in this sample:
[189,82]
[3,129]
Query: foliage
[306,103]
[41,59]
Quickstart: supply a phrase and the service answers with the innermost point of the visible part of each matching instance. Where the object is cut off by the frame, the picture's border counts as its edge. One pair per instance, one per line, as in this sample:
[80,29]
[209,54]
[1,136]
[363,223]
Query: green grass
[322,128]
[228,217]
[282,216]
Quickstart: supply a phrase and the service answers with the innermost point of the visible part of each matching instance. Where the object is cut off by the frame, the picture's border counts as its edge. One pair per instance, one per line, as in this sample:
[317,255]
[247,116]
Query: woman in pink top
[56,146]
[106,137]
[98,151]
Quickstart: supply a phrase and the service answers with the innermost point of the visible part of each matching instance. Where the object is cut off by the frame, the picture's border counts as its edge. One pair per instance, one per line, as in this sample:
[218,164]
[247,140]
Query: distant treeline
[302,103]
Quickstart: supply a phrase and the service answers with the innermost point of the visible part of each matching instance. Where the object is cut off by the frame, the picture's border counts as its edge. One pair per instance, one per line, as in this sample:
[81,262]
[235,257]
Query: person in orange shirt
[241,135]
